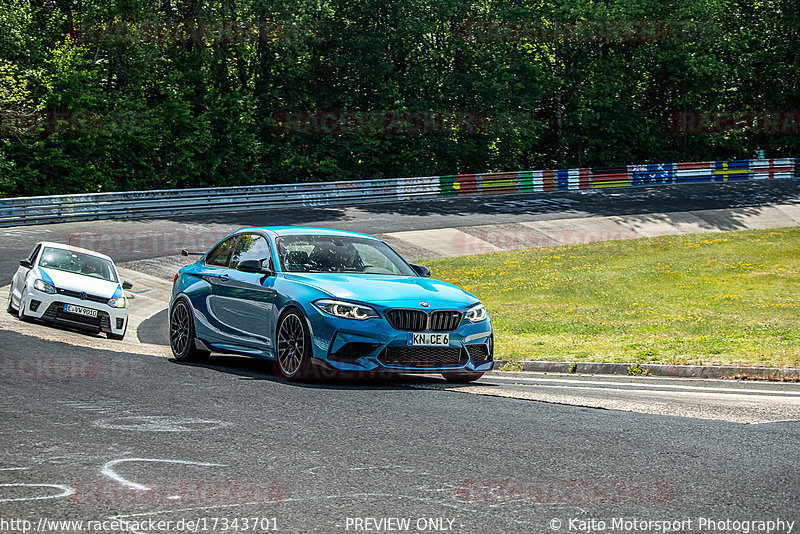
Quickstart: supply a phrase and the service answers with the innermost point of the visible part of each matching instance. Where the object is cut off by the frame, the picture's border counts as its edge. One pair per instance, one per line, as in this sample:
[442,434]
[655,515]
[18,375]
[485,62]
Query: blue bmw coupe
[314,299]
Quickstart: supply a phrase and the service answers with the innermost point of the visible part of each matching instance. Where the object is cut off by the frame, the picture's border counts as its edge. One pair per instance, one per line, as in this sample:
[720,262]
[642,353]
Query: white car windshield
[335,254]
[76,262]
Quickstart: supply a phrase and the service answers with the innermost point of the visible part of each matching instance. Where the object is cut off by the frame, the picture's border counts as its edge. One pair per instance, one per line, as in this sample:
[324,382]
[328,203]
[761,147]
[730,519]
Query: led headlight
[46,287]
[346,310]
[477,314]
[117,302]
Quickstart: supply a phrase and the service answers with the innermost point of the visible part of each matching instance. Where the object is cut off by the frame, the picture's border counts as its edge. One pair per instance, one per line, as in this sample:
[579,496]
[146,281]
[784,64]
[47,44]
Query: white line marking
[14,468]
[66,491]
[610,385]
[108,470]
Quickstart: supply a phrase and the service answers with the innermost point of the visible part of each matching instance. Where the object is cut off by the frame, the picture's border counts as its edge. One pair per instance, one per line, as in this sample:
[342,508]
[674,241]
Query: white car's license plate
[88,312]
[429,340]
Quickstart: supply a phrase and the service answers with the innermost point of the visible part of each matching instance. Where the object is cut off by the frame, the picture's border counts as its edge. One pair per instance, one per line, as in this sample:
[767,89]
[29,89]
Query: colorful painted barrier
[62,208]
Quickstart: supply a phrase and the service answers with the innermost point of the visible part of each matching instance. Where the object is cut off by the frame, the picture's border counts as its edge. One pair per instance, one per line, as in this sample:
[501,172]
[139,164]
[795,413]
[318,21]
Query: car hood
[79,282]
[390,291]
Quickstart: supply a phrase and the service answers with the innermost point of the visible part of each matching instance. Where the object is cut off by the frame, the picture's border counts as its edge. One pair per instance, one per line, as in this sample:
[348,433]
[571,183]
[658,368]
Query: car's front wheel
[462,377]
[294,346]
[22,305]
[10,307]
[181,334]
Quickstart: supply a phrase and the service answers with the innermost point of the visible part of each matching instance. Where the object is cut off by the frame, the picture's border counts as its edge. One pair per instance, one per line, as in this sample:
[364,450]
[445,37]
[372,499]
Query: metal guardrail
[64,208]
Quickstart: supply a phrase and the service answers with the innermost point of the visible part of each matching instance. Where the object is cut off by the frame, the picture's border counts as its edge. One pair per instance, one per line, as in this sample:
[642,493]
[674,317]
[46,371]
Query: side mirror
[253,266]
[26,263]
[185,252]
[421,270]
[127,285]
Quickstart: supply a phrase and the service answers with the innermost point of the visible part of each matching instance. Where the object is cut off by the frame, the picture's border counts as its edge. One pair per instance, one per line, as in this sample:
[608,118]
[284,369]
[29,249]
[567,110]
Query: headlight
[117,302]
[477,314]
[41,285]
[346,310]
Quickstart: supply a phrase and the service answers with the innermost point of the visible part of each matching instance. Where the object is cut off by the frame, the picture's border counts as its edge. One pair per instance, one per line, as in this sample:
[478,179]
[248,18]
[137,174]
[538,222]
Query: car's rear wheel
[181,334]
[294,346]
[462,377]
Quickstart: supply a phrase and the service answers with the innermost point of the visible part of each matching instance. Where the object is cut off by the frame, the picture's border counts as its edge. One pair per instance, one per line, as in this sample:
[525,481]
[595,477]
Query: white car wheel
[10,308]
[22,305]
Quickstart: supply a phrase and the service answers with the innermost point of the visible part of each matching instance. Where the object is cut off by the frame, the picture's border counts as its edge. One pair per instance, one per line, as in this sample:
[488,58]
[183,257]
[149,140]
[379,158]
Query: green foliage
[638,370]
[99,96]
[698,299]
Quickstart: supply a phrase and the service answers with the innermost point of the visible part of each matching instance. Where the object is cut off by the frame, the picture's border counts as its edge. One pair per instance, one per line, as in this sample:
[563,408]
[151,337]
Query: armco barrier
[62,208]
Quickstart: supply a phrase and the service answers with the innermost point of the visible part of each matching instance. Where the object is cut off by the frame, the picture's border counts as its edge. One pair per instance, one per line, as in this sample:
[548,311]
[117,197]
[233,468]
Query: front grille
[55,312]
[408,320]
[478,352]
[77,295]
[423,356]
[445,321]
[420,321]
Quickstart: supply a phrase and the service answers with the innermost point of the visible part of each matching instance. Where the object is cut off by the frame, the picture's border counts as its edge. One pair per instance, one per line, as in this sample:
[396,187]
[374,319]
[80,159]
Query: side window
[250,247]
[221,254]
[35,252]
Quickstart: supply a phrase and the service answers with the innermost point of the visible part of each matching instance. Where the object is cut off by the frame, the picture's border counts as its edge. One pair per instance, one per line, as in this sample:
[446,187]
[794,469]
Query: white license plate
[88,312]
[429,340]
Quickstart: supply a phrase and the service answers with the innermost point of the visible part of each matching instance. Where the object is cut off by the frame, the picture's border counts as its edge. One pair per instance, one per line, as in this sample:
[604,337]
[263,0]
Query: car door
[215,265]
[242,302]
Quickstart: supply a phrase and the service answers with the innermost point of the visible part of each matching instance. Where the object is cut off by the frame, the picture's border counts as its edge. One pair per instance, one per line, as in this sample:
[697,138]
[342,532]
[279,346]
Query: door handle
[223,277]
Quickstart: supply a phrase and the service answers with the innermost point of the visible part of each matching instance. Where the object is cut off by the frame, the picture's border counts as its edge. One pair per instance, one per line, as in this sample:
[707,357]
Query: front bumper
[50,307]
[374,346]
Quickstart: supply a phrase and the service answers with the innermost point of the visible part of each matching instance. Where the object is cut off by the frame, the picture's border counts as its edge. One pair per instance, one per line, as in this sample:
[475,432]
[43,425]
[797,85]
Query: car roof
[304,230]
[72,248]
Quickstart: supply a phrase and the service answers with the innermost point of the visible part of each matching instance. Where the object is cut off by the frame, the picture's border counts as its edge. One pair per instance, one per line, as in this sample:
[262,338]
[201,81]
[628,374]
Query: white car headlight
[46,287]
[477,314]
[117,302]
[346,310]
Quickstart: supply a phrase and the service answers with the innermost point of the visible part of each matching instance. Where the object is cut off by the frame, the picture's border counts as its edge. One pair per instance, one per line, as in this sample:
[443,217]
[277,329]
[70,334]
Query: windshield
[337,254]
[76,262]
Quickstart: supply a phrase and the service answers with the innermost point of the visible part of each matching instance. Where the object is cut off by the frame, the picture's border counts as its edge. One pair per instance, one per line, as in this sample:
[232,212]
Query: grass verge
[713,299]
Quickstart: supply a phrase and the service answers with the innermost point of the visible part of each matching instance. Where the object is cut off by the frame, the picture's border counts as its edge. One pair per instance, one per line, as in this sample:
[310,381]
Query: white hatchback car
[71,286]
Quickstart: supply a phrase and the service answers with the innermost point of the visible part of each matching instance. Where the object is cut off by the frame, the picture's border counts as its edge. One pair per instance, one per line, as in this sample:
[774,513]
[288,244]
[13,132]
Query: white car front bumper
[100,317]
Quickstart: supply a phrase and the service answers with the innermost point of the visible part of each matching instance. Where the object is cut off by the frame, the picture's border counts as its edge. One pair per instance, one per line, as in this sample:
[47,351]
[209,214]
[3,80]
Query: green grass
[718,298]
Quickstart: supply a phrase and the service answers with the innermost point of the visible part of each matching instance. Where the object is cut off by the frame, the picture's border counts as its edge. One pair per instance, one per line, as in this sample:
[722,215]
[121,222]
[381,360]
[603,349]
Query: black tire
[10,308]
[181,334]
[293,346]
[115,337]
[462,377]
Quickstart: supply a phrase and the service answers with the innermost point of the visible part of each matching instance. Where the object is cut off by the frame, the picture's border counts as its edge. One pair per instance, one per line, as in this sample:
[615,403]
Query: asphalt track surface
[95,434]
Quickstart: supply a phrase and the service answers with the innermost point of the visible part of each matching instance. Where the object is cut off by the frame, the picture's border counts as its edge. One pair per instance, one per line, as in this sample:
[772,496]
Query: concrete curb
[651,369]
